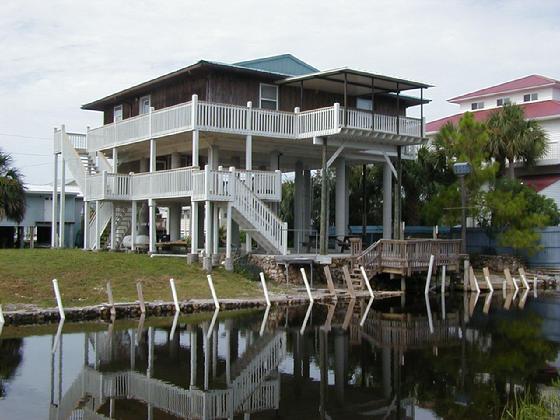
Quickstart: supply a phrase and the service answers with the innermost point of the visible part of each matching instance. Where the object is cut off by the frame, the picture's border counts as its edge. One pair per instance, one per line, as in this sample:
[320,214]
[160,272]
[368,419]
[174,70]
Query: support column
[86,225]
[340,209]
[323,242]
[174,214]
[249,167]
[193,256]
[115,160]
[207,260]
[298,206]
[229,260]
[387,205]
[97,226]
[113,226]
[54,227]
[152,225]
[134,226]
[215,233]
[62,208]
[274,166]
[307,206]
[397,231]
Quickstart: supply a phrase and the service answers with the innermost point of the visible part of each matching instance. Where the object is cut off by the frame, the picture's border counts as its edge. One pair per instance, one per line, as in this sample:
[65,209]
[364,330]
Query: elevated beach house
[217,138]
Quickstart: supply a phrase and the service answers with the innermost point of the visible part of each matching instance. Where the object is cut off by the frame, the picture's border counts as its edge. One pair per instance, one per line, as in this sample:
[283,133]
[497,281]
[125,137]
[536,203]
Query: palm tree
[513,138]
[12,190]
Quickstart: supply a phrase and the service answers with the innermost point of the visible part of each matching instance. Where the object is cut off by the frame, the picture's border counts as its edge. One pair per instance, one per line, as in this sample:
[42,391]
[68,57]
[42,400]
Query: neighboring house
[217,137]
[539,97]
[35,228]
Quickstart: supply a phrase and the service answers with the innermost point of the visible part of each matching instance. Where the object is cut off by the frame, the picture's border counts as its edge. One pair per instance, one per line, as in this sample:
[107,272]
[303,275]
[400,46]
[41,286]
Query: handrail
[238,119]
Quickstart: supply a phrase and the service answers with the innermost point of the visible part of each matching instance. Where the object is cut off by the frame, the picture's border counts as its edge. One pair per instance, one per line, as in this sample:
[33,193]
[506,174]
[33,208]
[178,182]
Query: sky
[58,55]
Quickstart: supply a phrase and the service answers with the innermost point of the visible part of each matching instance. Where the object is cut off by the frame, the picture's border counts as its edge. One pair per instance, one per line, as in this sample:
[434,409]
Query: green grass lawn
[26,278]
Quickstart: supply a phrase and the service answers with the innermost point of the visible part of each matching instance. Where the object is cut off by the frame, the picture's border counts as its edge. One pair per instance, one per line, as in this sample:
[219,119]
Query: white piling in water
[304,276]
[211,284]
[174,326]
[265,289]
[486,273]
[174,294]
[264,320]
[429,276]
[2,320]
[58,299]
[141,297]
[366,281]
[110,298]
[535,287]
[523,277]
[306,319]
[368,307]
[212,323]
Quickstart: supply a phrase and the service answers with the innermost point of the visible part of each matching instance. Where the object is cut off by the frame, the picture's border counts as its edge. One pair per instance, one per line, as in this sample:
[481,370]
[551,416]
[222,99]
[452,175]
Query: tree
[465,142]
[512,212]
[514,139]
[12,190]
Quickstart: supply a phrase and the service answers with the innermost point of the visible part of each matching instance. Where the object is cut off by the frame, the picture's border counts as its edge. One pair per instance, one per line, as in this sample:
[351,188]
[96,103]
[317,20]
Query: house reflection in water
[287,365]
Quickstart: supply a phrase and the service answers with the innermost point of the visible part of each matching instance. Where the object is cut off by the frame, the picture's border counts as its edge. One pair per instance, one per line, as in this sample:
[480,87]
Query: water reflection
[452,358]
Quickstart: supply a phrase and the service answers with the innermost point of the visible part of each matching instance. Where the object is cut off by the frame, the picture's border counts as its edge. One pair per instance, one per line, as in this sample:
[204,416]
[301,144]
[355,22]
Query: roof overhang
[358,82]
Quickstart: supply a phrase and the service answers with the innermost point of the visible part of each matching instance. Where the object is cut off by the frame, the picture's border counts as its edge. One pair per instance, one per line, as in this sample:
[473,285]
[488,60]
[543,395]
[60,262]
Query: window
[530,97]
[477,105]
[362,103]
[117,113]
[144,106]
[268,96]
[503,101]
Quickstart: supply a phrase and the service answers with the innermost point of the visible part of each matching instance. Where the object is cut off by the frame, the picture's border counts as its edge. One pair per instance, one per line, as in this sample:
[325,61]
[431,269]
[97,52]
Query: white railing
[276,123]
[236,119]
[257,213]
[318,122]
[266,185]
[105,213]
[94,187]
[162,184]
[222,117]
[73,160]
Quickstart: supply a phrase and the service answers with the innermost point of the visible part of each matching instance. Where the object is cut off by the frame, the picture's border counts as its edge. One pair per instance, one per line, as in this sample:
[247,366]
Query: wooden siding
[238,89]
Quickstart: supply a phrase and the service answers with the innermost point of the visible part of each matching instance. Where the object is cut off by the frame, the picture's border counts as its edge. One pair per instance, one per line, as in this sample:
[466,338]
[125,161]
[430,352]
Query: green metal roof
[284,64]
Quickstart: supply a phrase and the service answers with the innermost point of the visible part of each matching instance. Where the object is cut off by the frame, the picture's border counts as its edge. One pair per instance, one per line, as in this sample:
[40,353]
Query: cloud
[57,55]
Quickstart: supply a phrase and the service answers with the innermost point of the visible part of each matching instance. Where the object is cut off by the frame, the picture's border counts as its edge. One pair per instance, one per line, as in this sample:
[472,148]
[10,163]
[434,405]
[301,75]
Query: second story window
[477,105]
[530,97]
[503,101]
[117,113]
[268,97]
[144,106]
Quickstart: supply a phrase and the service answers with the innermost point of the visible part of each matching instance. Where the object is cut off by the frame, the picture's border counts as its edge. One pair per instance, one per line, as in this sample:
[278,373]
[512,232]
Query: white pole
[110,297]
[487,278]
[263,323]
[54,216]
[535,287]
[304,276]
[307,315]
[58,299]
[366,280]
[133,226]
[141,297]
[2,320]
[474,280]
[363,320]
[211,284]
[429,276]
[523,278]
[212,323]
[174,326]
[174,293]
[443,279]
[265,289]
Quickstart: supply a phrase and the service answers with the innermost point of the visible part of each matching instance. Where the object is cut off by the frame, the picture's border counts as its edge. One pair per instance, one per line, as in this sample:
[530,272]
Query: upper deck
[246,120]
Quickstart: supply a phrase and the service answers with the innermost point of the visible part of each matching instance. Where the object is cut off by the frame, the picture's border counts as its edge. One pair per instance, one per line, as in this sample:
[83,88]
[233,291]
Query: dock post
[265,289]
[366,280]
[535,287]
[486,273]
[58,299]
[304,276]
[174,294]
[2,320]
[141,297]
[473,280]
[110,298]
[523,278]
[214,297]
[429,276]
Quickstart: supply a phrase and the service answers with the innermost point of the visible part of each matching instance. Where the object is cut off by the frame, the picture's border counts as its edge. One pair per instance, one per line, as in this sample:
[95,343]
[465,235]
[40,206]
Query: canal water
[462,357]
